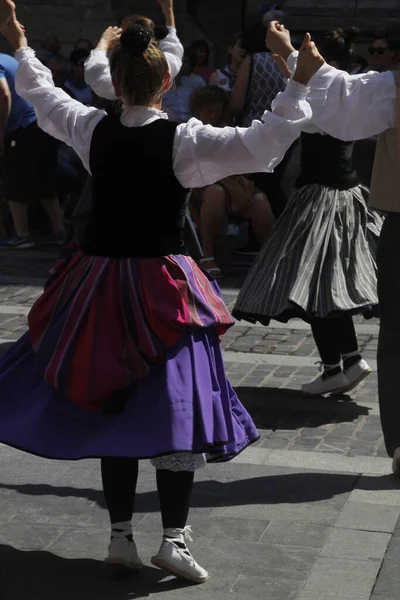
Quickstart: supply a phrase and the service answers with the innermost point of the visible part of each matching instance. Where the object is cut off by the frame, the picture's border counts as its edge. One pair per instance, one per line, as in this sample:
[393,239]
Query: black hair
[337,45]
[200,43]
[139,66]
[253,38]
[391,35]
[77,55]
[160,32]
[207,96]
[190,55]
[86,41]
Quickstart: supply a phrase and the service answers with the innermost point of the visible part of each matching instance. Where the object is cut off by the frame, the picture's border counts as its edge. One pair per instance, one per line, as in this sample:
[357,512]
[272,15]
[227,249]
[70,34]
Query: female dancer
[122,360]
[320,262]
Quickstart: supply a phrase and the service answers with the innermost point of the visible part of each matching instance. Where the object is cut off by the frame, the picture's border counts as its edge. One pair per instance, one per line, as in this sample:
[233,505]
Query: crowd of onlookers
[232,93]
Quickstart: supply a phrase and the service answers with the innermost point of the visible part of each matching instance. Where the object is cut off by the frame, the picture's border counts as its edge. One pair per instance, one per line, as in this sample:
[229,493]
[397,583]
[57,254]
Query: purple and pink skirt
[146,328]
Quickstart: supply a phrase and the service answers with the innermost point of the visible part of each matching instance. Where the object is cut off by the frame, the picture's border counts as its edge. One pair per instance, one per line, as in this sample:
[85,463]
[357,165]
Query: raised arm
[205,154]
[348,107]
[97,66]
[57,114]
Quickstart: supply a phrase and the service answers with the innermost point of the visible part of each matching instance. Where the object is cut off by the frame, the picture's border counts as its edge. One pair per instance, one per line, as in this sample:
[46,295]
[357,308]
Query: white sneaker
[357,373]
[179,561]
[396,462]
[326,385]
[123,553]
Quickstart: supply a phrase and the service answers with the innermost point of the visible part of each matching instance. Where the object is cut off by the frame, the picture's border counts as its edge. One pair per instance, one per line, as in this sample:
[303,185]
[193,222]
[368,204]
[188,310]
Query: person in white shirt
[354,107]
[97,66]
[154,363]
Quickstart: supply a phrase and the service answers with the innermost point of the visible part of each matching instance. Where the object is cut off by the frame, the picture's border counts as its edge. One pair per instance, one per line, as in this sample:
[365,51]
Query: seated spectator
[202,67]
[225,78]
[234,196]
[176,100]
[75,85]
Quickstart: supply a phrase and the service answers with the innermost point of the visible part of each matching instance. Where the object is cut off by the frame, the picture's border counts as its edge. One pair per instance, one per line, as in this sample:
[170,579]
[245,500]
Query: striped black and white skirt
[319,261]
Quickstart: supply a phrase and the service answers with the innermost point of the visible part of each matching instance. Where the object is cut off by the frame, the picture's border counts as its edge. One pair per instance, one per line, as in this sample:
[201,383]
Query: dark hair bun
[135,40]
[350,34]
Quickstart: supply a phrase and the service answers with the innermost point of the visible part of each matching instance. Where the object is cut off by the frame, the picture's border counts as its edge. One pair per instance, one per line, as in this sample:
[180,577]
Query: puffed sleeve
[351,107]
[57,113]
[205,154]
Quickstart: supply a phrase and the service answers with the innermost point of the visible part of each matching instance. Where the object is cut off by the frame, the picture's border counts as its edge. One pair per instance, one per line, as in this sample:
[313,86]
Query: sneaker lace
[320,365]
[187,533]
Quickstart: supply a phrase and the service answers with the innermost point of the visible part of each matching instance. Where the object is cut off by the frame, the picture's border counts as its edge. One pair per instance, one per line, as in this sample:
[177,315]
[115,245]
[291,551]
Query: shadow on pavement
[289,488]
[281,408]
[39,575]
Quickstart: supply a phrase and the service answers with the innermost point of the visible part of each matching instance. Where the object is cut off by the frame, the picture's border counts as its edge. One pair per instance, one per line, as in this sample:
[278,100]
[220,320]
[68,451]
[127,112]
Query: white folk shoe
[175,557]
[123,553]
[396,462]
[326,385]
[357,373]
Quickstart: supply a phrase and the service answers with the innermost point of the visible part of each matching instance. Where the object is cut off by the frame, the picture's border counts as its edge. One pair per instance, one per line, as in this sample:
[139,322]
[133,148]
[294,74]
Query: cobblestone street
[309,513]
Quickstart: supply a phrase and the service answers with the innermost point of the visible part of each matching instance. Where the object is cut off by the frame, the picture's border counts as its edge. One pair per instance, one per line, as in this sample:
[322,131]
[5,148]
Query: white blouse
[351,107]
[97,65]
[201,154]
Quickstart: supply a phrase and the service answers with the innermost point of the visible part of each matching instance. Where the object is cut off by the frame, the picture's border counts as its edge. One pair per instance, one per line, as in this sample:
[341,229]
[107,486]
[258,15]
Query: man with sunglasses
[384,52]
[354,107]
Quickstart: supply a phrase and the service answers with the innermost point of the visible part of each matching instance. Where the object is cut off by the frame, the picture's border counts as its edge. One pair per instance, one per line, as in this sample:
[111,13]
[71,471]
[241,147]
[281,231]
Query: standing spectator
[30,161]
[258,81]
[226,77]
[51,48]
[75,85]
[384,51]
[202,67]
[176,101]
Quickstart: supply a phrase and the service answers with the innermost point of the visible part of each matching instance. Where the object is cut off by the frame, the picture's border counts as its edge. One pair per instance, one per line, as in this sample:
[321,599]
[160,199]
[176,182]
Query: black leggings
[334,338]
[120,477]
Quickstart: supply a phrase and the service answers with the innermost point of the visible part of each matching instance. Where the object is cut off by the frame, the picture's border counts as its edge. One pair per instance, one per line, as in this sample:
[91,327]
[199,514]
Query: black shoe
[250,249]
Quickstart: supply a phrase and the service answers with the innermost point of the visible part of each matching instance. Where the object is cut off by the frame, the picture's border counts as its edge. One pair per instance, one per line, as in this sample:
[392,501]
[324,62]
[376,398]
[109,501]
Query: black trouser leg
[175,492]
[389,335]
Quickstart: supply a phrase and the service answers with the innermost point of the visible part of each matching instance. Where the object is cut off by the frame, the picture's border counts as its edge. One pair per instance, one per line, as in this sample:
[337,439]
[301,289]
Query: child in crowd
[234,196]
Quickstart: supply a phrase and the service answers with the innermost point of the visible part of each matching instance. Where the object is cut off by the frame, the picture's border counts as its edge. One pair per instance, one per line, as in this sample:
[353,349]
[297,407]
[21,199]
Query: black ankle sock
[331,372]
[351,361]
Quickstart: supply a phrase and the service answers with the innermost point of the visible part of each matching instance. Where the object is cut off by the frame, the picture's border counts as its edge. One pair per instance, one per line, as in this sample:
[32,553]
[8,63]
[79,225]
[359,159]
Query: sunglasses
[380,51]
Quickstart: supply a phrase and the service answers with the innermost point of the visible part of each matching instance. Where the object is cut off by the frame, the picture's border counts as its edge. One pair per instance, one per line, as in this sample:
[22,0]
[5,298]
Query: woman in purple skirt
[122,360]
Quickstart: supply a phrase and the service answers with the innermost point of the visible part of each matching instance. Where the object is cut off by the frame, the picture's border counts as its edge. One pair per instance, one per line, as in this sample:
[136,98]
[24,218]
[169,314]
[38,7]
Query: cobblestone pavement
[308,513]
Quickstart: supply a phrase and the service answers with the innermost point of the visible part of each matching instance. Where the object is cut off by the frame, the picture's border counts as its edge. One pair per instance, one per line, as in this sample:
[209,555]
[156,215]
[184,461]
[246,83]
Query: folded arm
[205,154]
[57,113]
[351,107]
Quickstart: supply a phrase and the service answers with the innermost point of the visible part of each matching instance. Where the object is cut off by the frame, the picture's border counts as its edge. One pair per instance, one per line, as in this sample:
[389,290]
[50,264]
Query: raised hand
[167,6]
[109,39]
[309,62]
[278,40]
[12,30]
[282,66]
[7,12]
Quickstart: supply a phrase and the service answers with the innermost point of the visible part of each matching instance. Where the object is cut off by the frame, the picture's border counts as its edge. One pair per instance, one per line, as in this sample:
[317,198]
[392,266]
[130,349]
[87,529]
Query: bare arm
[5,107]
[239,92]
[167,7]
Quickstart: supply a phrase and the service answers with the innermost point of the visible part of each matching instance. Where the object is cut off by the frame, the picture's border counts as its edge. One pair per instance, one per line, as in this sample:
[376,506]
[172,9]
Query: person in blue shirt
[30,161]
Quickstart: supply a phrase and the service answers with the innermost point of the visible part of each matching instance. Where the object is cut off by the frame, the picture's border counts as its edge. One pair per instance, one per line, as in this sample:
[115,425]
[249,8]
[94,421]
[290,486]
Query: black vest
[138,203]
[327,161]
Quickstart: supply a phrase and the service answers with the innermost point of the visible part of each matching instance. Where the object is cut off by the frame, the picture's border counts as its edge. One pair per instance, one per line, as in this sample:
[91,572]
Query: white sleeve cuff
[297,90]
[25,52]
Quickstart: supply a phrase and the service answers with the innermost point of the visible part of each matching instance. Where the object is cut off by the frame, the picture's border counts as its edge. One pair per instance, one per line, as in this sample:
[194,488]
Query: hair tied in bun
[350,34]
[135,40]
